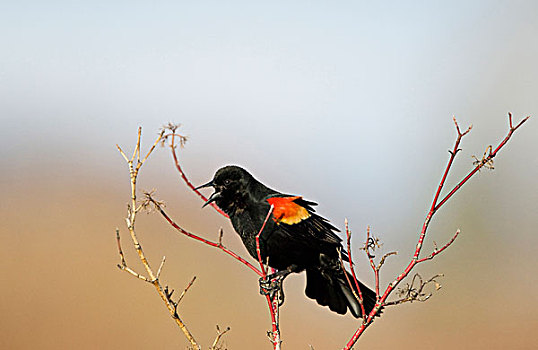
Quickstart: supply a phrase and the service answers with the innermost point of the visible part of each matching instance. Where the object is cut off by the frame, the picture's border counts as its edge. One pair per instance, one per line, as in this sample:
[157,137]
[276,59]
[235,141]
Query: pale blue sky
[315,88]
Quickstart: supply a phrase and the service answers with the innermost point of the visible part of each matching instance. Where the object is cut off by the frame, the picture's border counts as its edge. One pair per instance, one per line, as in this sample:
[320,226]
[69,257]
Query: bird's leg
[272,284]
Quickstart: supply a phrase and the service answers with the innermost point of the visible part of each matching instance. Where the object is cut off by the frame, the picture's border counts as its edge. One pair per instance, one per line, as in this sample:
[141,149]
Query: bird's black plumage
[295,237]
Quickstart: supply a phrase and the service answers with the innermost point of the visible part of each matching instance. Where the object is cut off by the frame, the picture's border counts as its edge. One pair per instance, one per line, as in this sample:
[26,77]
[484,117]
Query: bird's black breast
[247,224]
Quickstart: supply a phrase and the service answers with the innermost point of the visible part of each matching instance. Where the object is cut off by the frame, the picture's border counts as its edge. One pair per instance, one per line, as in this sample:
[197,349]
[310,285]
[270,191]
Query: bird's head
[230,184]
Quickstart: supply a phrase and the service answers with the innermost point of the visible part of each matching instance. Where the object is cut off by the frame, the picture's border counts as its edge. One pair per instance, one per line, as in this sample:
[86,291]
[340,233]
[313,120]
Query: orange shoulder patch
[287,211]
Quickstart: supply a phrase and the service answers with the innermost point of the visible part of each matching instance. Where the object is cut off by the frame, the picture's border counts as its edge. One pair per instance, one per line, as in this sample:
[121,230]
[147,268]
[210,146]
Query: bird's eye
[227,181]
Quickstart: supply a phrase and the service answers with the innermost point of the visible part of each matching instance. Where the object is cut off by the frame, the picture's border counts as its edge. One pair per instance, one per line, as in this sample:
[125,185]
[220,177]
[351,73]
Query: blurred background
[349,104]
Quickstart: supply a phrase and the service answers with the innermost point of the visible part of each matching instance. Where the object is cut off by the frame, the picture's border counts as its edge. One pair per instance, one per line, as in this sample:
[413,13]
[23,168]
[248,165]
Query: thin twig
[186,290]
[160,268]
[383,259]
[203,240]
[438,251]
[221,233]
[220,334]
[172,137]
[123,266]
[122,153]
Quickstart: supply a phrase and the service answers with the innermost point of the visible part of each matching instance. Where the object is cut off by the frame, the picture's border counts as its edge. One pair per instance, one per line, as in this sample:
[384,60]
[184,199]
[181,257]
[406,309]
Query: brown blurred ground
[61,289]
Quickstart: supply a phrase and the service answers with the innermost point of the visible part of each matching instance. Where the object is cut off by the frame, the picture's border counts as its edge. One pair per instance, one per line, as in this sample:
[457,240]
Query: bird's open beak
[213,197]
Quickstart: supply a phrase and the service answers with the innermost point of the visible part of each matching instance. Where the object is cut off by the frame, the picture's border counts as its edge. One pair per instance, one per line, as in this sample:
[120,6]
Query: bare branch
[150,150]
[512,128]
[352,268]
[453,153]
[272,302]
[183,175]
[460,134]
[137,147]
[371,244]
[438,251]
[258,250]
[185,290]
[486,161]
[359,298]
[132,210]
[160,267]
[415,293]
[220,333]
[123,266]
[383,259]
[122,153]
[200,239]
[221,233]
[477,167]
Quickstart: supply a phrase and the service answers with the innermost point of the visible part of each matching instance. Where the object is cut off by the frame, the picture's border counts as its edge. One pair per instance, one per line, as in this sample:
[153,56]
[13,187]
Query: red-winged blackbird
[293,240]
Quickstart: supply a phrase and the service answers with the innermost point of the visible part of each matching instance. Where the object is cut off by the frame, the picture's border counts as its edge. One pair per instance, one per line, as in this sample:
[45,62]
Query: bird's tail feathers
[324,291]
[335,292]
[369,298]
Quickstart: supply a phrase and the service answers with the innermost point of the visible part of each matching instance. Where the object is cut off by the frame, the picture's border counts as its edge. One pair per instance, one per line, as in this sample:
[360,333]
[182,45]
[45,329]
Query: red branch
[258,250]
[198,238]
[479,166]
[371,260]
[352,268]
[433,209]
[184,176]
[271,304]
[438,251]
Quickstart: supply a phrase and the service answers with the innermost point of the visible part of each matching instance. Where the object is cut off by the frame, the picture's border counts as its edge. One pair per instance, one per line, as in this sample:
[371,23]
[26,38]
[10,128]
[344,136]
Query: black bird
[294,239]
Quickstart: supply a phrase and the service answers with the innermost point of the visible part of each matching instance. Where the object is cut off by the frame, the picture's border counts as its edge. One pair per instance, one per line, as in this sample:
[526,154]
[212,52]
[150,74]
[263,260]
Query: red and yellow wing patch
[287,211]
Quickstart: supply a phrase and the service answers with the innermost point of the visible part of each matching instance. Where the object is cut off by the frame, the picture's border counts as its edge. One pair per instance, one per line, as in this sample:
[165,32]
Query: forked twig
[215,345]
